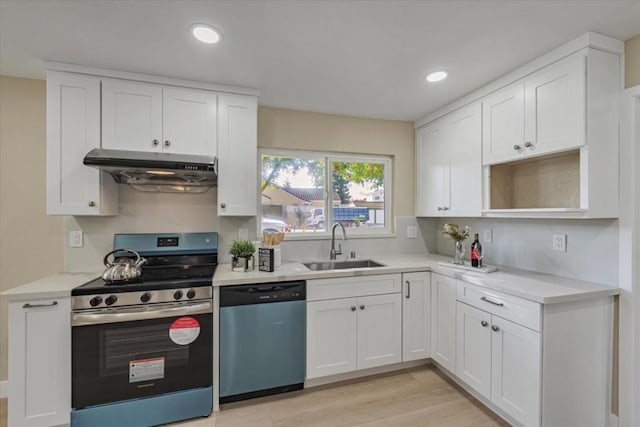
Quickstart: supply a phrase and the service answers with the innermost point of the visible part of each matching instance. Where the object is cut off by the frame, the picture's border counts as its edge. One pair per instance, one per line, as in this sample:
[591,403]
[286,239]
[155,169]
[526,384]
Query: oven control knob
[111,299]
[95,301]
[191,293]
[177,295]
[145,297]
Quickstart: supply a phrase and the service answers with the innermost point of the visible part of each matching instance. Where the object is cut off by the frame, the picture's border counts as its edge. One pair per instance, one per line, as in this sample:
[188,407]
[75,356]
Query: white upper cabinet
[237,155]
[131,116]
[503,124]
[189,121]
[73,129]
[146,117]
[448,165]
[555,107]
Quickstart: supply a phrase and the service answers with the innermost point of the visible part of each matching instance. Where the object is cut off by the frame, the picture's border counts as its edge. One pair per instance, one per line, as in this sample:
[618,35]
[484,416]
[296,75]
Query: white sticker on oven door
[146,369]
[184,330]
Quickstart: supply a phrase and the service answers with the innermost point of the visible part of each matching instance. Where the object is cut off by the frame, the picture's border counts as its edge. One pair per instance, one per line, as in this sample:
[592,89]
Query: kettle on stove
[122,269]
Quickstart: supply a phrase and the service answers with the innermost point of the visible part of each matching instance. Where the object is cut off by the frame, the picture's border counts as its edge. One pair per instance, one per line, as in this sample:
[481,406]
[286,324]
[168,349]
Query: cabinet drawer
[519,310]
[345,287]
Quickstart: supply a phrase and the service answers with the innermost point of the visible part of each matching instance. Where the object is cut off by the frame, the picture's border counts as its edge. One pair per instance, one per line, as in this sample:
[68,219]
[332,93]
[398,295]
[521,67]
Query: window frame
[329,157]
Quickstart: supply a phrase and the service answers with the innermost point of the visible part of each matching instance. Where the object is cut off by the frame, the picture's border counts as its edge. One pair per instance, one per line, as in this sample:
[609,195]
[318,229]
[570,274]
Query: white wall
[592,245]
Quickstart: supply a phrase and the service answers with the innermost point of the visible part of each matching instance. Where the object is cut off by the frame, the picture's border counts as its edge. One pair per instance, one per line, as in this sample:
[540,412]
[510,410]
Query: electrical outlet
[243,234]
[487,236]
[560,242]
[412,232]
[76,239]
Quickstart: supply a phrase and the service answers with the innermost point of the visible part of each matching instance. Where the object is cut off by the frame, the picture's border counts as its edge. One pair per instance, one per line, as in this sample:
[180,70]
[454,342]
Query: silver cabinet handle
[499,304]
[495,328]
[92,204]
[361,306]
[353,308]
[528,144]
[446,208]
[27,305]
[223,205]
[484,323]
[439,208]
[167,143]
[517,147]
[408,289]
[155,142]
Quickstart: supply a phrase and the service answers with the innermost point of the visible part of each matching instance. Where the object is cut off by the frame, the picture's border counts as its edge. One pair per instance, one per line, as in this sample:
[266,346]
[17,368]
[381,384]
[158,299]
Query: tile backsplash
[592,245]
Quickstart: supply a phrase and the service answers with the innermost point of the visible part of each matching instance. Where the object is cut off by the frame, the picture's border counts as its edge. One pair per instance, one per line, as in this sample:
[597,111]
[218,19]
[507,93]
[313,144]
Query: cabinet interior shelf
[542,184]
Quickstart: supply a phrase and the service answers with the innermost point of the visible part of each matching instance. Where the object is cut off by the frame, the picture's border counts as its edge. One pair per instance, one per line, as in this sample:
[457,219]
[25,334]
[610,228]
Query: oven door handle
[100,317]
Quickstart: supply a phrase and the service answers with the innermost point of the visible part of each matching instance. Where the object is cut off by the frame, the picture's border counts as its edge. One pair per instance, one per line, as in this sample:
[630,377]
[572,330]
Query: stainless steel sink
[341,265]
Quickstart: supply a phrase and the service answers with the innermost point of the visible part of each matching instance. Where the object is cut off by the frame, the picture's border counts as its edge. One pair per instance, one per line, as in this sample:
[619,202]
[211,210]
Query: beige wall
[31,243]
[300,130]
[632,62]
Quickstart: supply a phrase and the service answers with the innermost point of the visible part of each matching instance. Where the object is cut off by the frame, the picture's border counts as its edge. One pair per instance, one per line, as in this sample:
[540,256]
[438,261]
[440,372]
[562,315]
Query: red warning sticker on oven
[184,330]
[146,369]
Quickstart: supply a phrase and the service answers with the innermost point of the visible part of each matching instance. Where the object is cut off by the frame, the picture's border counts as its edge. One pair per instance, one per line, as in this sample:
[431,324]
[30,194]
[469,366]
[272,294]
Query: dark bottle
[476,252]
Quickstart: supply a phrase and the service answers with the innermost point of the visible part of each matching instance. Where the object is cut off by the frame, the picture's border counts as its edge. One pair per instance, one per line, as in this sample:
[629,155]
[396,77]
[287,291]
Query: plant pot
[242,264]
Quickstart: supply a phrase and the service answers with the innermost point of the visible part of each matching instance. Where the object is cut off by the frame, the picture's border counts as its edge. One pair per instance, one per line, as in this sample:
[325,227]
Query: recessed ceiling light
[436,76]
[205,33]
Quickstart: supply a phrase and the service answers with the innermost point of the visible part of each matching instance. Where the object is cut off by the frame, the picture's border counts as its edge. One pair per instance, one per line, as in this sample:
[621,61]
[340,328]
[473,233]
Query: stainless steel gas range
[142,351]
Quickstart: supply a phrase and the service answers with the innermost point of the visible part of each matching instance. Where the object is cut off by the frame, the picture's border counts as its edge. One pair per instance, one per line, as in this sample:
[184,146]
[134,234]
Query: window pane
[360,190]
[293,194]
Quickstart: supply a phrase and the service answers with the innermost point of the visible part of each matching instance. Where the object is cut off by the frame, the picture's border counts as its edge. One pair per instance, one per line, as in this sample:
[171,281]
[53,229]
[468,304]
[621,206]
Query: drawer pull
[484,323]
[27,305]
[495,328]
[485,299]
[408,289]
[362,307]
[353,308]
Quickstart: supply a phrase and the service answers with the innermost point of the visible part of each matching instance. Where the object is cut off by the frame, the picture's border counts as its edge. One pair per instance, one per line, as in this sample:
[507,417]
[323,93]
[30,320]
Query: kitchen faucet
[333,253]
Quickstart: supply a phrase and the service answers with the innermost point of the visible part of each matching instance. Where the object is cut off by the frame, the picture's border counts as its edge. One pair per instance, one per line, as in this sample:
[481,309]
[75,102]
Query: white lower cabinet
[443,321]
[416,316]
[39,363]
[501,361]
[356,332]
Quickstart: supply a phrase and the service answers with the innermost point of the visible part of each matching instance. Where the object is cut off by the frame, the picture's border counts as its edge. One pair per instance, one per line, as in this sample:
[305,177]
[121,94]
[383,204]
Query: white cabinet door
[237,155]
[379,330]
[473,348]
[555,107]
[432,170]
[39,363]
[189,121]
[516,370]
[503,125]
[331,337]
[73,129]
[131,115]
[416,316]
[464,138]
[443,321]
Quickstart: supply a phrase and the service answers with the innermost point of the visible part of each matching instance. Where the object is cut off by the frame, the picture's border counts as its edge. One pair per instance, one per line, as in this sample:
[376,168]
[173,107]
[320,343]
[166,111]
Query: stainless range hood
[157,172]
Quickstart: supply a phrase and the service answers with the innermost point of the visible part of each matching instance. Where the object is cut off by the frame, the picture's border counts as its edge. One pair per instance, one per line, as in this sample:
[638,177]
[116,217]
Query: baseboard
[4,387]
[614,421]
[314,382]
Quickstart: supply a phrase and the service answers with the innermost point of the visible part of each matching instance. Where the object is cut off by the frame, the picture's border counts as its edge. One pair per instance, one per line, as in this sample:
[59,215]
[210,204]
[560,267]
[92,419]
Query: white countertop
[57,286]
[538,287]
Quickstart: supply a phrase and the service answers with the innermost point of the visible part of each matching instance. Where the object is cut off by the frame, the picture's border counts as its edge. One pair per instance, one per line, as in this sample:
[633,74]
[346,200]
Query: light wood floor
[414,397]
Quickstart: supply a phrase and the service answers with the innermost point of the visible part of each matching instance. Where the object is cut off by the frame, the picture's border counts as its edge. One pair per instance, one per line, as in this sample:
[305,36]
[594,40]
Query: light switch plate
[412,232]
[560,242]
[487,236]
[243,234]
[76,239]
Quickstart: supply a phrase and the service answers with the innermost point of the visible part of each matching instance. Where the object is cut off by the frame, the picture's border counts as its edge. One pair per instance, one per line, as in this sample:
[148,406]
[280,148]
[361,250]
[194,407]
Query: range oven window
[120,361]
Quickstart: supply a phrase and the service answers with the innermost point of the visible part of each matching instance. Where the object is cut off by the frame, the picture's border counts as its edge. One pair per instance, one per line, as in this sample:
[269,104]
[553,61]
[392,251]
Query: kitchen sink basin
[341,265]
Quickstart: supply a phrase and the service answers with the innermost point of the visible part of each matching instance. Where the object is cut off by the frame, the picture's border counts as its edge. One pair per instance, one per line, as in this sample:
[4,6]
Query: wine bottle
[476,252]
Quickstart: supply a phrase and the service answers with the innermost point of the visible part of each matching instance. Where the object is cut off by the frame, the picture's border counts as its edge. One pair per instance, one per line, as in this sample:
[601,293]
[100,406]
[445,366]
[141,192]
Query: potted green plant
[242,255]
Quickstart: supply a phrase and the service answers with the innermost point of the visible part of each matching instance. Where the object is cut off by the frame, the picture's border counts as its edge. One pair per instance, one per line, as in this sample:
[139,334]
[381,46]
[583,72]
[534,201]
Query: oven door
[129,353]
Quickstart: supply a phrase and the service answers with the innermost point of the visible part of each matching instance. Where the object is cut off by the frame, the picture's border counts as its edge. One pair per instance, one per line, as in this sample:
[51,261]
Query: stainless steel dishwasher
[262,339]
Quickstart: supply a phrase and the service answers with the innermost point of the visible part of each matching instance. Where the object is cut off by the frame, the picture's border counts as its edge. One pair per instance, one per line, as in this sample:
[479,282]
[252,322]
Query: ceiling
[360,58]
